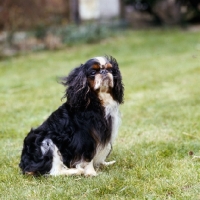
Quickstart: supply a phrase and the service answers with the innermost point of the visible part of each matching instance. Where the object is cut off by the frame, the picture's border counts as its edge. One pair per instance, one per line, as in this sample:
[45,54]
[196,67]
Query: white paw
[108,163]
[80,171]
[67,171]
[90,173]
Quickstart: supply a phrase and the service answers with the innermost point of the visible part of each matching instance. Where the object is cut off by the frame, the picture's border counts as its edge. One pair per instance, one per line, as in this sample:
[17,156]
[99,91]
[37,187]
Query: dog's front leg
[89,169]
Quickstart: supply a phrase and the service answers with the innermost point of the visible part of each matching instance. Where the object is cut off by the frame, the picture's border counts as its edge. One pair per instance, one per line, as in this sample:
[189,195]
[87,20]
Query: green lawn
[160,118]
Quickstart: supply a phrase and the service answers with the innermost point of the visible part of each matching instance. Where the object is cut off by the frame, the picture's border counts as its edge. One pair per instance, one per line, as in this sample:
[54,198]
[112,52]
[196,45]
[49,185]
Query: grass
[160,118]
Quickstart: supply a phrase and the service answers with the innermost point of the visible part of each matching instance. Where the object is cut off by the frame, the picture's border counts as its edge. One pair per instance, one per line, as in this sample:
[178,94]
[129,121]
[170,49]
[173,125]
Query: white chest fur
[111,110]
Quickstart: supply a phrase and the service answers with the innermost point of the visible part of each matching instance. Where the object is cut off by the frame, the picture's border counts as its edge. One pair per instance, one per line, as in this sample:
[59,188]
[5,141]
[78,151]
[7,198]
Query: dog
[77,137]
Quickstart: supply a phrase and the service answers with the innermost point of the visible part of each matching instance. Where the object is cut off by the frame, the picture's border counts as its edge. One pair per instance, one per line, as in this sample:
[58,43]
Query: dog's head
[99,74]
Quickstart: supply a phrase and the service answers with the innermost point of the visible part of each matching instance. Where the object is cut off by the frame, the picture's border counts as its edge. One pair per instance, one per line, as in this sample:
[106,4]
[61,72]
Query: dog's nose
[103,71]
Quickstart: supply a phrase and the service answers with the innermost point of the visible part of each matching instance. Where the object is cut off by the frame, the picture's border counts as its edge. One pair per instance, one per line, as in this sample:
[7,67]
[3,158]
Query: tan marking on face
[91,83]
[96,67]
[96,82]
[108,66]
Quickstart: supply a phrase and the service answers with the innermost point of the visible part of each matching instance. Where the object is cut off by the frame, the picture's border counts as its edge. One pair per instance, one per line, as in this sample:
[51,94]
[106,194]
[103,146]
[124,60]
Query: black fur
[76,127]
[118,89]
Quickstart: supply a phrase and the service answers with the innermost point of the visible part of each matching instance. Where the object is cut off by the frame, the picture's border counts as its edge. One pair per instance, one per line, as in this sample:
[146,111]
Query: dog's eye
[93,72]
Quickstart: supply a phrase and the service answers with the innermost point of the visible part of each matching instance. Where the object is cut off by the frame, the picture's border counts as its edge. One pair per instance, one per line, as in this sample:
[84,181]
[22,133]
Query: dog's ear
[77,88]
[118,89]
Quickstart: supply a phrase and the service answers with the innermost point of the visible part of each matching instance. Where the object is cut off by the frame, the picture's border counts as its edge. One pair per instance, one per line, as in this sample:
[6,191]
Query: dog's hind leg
[58,167]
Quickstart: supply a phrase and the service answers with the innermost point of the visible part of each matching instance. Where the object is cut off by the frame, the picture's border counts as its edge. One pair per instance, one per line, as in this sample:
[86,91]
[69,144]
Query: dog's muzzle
[103,71]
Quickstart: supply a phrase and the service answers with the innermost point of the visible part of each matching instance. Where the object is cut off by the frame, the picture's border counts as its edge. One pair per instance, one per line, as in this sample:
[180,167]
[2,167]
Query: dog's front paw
[90,173]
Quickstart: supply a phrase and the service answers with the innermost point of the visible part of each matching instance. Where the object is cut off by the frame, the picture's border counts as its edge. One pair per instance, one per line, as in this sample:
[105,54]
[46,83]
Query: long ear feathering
[118,89]
[77,88]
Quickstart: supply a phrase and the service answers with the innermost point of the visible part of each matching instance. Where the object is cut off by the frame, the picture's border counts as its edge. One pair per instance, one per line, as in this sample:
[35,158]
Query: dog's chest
[111,111]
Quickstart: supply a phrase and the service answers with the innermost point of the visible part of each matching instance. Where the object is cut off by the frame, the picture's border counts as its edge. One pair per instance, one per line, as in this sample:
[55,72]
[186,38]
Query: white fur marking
[111,110]
[101,60]
[58,167]
[103,82]
[101,154]
[47,144]
[97,83]
[108,163]
[89,169]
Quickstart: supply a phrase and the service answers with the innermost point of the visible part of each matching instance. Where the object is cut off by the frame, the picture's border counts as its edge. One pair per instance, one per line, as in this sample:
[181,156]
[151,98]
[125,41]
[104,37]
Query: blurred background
[32,25]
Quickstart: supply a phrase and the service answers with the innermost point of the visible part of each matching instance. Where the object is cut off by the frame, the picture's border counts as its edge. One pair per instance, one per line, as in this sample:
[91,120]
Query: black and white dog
[78,136]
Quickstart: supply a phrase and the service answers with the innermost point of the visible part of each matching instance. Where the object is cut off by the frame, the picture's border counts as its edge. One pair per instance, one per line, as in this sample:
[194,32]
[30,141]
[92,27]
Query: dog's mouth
[103,83]
[107,82]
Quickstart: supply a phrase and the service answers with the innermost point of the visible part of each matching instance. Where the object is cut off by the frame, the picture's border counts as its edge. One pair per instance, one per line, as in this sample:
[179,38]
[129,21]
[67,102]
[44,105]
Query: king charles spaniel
[77,137]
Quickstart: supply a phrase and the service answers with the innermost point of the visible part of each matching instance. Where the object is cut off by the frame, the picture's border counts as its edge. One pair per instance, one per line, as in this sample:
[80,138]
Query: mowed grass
[160,118]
